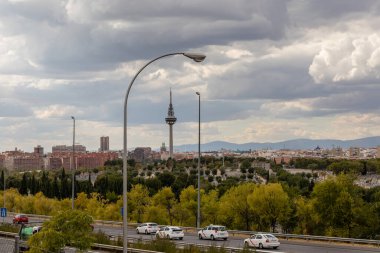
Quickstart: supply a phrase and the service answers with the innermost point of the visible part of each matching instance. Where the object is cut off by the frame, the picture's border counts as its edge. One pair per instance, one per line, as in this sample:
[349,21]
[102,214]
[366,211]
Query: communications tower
[170,120]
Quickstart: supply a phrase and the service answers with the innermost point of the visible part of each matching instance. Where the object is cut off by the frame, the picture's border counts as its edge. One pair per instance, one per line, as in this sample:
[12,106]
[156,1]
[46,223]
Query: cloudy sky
[275,70]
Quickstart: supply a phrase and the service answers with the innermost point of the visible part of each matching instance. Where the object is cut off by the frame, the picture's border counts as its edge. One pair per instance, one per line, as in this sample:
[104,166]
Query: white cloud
[237,53]
[56,111]
[350,59]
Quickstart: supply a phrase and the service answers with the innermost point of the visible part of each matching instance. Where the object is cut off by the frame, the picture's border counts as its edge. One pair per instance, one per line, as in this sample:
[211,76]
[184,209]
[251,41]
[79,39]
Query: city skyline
[274,71]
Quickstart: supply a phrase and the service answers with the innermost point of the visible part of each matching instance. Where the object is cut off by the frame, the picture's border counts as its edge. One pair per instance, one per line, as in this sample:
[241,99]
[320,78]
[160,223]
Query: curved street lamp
[194,57]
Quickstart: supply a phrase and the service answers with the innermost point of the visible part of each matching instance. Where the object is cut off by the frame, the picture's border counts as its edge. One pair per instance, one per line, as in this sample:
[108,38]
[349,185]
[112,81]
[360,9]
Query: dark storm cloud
[361,101]
[316,13]
[267,79]
[84,35]
[76,57]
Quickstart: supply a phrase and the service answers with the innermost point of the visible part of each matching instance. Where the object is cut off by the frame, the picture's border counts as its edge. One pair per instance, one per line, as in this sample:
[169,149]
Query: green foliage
[68,228]
[245,165]
[346,166]
[9,228]
[138,201]
[298,182]
[271,204]
[234,207]
[338,207]
[165,199]
[102,238]
[335,207]
[311,163]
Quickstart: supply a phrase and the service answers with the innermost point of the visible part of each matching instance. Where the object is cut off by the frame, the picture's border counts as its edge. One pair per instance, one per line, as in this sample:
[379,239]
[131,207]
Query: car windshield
[152,224]
[177,230]
[219,228]
[269,236]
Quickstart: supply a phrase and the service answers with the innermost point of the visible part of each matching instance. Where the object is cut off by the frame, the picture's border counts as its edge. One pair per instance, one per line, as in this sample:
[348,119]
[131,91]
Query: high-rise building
[39,151]
[141,154]
[104,143]
[163,147]
[170,120]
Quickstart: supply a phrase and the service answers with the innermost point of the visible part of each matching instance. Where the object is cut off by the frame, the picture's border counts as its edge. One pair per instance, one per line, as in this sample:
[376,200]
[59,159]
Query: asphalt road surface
[290,246]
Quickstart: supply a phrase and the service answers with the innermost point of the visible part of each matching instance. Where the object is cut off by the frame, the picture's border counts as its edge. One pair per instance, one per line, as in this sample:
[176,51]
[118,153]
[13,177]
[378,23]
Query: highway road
[290,246]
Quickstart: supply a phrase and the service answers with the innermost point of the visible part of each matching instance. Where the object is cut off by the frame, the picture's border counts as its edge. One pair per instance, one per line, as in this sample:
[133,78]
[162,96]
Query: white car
[170,232]
[262,241]
[213,232]
[147,228]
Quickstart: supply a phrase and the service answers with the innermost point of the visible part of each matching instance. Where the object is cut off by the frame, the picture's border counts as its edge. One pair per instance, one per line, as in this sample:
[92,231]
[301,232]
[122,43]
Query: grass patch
[9,228]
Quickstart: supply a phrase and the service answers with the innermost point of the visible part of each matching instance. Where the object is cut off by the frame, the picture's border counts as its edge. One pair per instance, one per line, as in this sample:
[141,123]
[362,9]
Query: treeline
[50,184]
[178,175]
[338,166]
[334,207]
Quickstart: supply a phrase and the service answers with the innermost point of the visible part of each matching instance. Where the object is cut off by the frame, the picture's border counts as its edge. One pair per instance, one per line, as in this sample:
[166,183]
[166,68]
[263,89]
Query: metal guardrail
[311,237]
[247,233]
[108,248]
[112,248]
[178,244]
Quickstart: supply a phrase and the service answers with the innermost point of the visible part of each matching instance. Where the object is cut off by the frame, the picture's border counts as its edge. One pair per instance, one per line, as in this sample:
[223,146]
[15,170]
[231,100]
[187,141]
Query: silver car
[147,228]
[170,232]
[262,240]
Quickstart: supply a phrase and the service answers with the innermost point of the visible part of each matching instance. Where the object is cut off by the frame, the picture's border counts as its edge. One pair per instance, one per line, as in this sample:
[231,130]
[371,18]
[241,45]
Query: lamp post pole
[196,58]
[4,192]
[199,161]
[73,167]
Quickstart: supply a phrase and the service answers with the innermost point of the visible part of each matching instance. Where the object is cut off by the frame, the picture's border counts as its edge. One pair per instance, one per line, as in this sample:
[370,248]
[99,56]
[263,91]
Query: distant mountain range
[290,144]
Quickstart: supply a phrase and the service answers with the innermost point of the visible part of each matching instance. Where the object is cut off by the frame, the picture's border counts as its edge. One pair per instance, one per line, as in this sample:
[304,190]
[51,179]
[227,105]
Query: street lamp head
[198,93]
[195,57]
[73,117]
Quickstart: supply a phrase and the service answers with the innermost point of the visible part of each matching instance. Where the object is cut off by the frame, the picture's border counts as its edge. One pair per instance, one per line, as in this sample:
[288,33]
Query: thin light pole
[4,191]
[196,58]
[199,161]
[73,167]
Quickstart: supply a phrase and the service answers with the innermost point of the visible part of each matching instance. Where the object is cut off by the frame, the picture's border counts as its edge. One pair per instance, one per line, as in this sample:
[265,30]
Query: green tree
[305,220]
[166,178]
[138,200]
[45,183]
[209,207]
[24,185]
[271,203]
[89,187]
[245,165]
[189,201]
[166,198]
[337,202]
[55,188]
[234,209]
[33,185]
[2,180]
[68,228]
[65,186]
[346,166]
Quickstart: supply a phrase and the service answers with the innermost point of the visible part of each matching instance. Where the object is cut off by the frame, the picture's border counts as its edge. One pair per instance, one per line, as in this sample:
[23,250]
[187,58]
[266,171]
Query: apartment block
[104,144]
[64,148]
[141,154]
